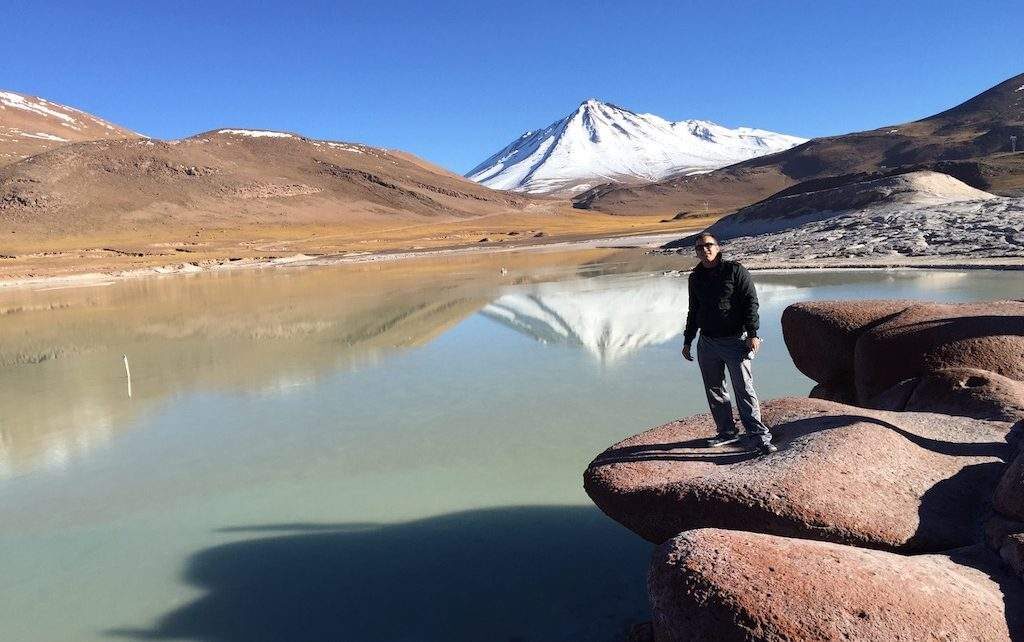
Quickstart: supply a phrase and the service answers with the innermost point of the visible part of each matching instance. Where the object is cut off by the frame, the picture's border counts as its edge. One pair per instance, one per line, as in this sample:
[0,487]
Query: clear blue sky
[455,81]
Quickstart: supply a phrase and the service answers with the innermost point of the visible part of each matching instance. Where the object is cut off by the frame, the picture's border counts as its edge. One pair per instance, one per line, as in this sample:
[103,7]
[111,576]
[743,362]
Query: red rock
[998,528]
[839,393]
[1012,552]
[821,336]
[900,481]
[1009,499]
[928,337]
[722,585]
[967,392]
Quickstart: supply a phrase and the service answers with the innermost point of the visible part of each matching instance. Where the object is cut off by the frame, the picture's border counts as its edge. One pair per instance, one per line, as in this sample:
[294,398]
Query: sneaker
[767,449]
[722,440]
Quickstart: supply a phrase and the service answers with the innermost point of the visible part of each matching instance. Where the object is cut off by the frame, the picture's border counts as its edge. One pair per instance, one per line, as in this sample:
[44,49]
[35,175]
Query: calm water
[387,452]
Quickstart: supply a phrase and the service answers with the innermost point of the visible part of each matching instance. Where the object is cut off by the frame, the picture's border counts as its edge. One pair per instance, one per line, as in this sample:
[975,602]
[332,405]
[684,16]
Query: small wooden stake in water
[128,374]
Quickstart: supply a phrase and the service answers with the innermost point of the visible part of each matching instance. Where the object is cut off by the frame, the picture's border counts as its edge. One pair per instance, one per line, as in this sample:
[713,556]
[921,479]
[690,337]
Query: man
[723,306]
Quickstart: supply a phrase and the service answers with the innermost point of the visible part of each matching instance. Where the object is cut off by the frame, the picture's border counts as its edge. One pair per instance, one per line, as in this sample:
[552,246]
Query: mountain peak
[30,125]
[595,105]
[600,142]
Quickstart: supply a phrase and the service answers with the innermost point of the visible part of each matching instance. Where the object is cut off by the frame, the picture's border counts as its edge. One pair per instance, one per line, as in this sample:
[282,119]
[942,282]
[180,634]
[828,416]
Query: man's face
[707,250]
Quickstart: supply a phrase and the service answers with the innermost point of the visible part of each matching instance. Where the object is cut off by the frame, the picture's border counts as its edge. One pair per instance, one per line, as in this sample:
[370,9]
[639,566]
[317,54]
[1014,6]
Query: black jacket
[723,302]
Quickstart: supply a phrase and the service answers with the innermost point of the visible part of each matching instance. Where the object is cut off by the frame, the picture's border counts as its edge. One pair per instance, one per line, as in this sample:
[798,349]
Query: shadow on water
[509,574]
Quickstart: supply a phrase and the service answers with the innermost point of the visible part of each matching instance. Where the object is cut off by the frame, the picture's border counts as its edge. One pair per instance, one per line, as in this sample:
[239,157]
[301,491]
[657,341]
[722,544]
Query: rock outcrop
[931,336]
[726,585]
[885,235]
[895,518]
[1009,499]
[906,482]
[861,349]
[967,392]
[821,337]
[785,211]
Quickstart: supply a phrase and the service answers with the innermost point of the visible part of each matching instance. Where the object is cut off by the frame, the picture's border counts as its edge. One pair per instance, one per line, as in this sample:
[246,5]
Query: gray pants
[714,356]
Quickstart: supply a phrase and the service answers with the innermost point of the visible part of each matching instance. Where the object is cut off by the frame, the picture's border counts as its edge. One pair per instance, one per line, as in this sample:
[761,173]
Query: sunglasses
[701,246]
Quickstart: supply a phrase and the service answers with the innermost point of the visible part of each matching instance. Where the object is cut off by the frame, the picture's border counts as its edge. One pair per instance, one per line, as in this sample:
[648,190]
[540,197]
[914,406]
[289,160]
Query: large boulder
[722,585]
[968,392]
[1009,499]
[821,336]
[931,336]
[908,482]
[1012,552]
[842,393]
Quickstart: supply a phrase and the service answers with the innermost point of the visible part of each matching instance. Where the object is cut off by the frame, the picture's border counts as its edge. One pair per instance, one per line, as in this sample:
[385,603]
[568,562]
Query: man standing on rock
[723,306]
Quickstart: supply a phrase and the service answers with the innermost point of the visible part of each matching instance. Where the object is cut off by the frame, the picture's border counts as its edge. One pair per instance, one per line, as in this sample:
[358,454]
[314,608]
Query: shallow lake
[367,452]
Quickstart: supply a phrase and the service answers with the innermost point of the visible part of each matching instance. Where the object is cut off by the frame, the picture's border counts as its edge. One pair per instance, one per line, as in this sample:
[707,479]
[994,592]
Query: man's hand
[686,352]
[754,344]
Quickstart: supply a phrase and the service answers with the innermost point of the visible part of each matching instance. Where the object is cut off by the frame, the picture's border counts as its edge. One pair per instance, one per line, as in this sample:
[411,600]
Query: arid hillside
[98,198]
[30,125]
[227,177]
[971,141]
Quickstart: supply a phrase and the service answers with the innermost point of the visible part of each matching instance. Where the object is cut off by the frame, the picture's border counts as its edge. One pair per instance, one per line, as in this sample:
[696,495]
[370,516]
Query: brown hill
[970,141]
[30,125]
[229,177]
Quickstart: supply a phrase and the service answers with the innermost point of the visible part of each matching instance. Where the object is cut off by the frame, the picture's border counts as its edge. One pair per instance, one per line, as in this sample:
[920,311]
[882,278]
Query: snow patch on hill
[36,105]
[256,133]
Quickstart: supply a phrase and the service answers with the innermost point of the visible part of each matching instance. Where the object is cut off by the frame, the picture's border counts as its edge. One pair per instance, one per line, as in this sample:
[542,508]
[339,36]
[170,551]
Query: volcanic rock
[711,584]
[998,528]
[1009,499]
[931,336]
[966,392]
[1012,552]
[821,336]
[909,482]
[841,393]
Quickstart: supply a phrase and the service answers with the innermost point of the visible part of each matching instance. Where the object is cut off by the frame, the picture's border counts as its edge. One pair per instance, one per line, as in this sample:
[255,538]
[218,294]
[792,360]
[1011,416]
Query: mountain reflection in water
[609,317]
[276,415]
[62,380]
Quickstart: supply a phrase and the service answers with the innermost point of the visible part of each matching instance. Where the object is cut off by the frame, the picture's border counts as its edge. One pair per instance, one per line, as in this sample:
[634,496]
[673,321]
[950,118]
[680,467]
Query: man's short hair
[704,235]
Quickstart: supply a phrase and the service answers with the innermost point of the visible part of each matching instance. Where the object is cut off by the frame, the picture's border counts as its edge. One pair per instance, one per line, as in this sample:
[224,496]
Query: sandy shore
[648,241]
[107,277]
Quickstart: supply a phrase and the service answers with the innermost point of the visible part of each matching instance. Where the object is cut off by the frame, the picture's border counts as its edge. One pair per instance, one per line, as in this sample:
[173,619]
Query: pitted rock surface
[909,482]
[927,337]
[721,585]
[967,392]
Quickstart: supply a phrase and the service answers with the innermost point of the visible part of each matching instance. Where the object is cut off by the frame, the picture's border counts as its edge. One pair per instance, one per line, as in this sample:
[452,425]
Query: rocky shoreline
[989,231]
[893,509]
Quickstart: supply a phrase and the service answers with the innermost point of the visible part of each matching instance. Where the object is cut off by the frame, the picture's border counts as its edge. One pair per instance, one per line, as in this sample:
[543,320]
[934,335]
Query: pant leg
[712,371]
[746,397]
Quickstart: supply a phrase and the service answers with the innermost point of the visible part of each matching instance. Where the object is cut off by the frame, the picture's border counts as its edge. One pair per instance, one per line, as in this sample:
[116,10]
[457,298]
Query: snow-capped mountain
[600,143]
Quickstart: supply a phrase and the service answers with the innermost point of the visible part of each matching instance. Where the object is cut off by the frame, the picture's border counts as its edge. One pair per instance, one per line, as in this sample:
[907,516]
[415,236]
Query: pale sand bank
[92,279]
